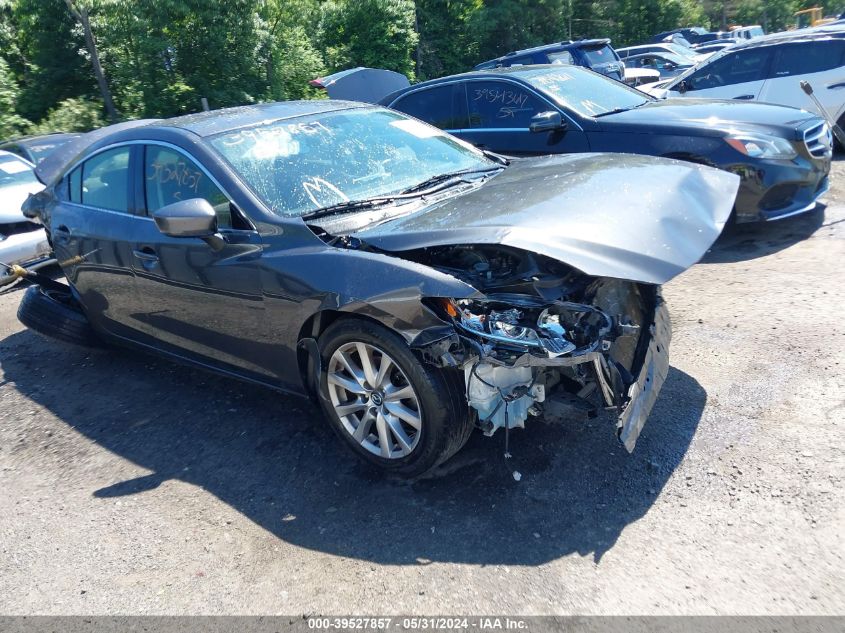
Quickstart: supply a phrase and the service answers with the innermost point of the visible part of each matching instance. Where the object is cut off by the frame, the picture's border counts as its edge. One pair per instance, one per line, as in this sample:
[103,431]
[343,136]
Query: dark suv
[597,55]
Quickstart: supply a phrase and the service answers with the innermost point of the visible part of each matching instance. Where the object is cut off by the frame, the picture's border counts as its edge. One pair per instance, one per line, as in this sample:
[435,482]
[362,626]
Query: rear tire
[364,414]
[57,315]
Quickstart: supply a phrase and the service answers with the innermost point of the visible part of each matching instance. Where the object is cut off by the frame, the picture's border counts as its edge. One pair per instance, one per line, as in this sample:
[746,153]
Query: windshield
[299,165]
[585,92]
[14,172]
[678,60]
[680,50]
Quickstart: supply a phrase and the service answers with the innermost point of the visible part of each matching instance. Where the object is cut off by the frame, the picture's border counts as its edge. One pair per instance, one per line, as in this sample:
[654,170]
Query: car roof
[803,35]
[485,73]
[642,46]
[200,124]
[37,139]
[556,46]
[228,119]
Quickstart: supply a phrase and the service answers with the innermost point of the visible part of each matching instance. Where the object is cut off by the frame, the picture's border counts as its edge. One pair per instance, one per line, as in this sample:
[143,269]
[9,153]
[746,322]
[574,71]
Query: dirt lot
[131,485]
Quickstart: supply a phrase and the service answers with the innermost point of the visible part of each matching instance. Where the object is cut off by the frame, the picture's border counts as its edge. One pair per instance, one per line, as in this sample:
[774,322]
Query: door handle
[146,255]
[61,234]
[841,84]
[744,97]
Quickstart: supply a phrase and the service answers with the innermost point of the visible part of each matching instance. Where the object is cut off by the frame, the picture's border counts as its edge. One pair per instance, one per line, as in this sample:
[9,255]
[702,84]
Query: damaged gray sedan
[416,287]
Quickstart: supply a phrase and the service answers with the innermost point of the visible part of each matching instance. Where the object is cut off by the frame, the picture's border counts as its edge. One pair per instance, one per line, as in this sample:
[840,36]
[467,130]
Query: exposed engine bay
[547,339]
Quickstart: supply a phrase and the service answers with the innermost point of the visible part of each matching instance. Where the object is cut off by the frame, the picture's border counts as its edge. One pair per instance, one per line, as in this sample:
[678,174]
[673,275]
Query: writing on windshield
[585,92]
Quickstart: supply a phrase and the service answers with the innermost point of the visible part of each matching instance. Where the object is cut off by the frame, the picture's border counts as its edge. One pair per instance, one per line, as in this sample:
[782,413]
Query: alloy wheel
[374,400]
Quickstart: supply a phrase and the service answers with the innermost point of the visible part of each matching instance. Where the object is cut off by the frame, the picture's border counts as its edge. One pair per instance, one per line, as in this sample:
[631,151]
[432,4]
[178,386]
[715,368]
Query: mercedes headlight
[762,146]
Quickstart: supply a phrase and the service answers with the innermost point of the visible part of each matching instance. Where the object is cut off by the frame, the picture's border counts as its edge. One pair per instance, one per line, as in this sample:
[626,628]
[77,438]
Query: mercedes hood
[626,216]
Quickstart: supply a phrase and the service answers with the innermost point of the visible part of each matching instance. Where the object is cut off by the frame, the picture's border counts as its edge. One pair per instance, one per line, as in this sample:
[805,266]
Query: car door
[500,113]
[89,229]
[737,75]
[199,302]
[820,62]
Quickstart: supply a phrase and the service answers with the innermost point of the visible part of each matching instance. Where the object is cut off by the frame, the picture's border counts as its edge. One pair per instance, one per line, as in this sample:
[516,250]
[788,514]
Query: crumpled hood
[609,215]
[11,199]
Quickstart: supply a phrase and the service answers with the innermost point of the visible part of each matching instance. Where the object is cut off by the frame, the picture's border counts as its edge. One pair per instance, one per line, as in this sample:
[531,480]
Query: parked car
[693,35]
[414,285]
[37,148]
[770,69]
[22,241]
[782,154]
[663,47]
[639,76]
[677,38]
[597,55]
[666,64]
[713,47]
[747,32]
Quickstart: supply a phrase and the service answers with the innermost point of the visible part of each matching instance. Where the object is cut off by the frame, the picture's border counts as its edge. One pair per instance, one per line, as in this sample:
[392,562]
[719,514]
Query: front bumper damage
[621,369]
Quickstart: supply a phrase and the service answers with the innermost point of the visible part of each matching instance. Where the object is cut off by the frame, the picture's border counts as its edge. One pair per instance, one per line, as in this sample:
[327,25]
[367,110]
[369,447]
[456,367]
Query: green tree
[445,45]
[11,123]
[375,33]
[291,57]
[71,115]
[501,26]
[50,45]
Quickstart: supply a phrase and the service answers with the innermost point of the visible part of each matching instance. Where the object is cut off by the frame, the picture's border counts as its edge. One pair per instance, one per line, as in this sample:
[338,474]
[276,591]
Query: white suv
[771,69]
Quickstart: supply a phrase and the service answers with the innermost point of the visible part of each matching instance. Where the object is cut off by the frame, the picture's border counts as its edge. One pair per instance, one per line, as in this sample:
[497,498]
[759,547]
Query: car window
[600,55]
[170,176]
[75,185]
[442,106]
[561,57]
[14,171]
[733,68]
[105,180]
[498,104]
[16,149]
[808,57]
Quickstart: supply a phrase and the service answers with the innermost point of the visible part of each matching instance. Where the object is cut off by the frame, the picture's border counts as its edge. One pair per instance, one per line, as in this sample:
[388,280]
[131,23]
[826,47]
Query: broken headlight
[556,329]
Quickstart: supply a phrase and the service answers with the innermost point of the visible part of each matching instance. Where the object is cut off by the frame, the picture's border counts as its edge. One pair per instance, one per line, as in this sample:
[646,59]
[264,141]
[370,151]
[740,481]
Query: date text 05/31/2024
[417,623]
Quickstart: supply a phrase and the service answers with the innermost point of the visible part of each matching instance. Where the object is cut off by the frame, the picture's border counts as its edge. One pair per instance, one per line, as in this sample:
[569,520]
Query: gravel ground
[134,486]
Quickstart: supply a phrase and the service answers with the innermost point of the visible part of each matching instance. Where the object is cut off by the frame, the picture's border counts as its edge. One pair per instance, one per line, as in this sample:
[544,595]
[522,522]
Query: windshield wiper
[614,111]
[348,205]
[457,176]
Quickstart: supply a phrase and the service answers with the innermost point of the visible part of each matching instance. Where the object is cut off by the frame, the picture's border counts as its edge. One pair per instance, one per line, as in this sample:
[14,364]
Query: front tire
[394,411]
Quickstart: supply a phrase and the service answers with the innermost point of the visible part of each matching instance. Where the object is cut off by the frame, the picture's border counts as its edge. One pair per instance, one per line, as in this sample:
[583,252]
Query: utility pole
[80,12]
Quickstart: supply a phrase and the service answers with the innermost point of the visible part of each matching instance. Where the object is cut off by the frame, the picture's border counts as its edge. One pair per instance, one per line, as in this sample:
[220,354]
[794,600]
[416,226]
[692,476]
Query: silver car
[22,241]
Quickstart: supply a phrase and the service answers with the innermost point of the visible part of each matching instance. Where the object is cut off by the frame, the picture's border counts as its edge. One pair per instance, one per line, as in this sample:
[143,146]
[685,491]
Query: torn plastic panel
[544,333]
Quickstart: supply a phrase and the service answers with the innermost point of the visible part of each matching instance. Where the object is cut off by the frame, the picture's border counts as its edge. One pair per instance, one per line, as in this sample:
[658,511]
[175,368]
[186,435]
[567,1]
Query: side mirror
[683,86]
[190,218]
[546,121]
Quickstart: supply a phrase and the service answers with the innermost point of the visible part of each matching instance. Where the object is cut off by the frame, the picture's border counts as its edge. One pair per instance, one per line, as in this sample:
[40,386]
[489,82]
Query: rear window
[601,55]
